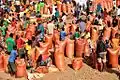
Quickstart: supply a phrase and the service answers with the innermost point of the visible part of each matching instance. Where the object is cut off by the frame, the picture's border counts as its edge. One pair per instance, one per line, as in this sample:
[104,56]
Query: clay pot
[70,48]
[77,63]
[60,60]
[113,57]
[21,68]
[80,47]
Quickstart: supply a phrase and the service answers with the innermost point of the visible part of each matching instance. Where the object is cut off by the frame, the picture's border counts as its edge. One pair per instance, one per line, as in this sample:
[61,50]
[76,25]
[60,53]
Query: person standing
[11,61]
[51,27]
[10,43]
[101,54]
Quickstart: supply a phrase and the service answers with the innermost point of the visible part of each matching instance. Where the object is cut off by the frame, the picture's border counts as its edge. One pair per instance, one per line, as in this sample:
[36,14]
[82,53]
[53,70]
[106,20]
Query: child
[11,61]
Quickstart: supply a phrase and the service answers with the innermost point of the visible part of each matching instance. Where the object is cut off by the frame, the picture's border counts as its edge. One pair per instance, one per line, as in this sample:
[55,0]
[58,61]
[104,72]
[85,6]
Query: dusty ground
[85,73]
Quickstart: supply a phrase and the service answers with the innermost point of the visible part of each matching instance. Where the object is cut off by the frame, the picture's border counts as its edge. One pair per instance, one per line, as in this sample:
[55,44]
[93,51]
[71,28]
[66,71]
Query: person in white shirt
[64,17]
[118,11]
[50,27]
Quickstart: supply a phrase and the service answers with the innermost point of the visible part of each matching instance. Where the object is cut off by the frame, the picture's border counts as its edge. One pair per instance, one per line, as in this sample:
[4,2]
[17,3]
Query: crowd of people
[25,25]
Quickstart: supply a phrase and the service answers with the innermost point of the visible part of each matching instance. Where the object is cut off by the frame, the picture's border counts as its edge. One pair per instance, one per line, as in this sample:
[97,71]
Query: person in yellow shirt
[28,47]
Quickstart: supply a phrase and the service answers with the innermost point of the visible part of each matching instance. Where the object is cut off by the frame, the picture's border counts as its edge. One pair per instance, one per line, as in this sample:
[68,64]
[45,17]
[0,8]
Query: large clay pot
[115,43]
[70,48]
[49,39]
[21,68]
[113,57]
[107,33]
[114,31]
[94,34]
[80,47]
[59,60]
[77,63]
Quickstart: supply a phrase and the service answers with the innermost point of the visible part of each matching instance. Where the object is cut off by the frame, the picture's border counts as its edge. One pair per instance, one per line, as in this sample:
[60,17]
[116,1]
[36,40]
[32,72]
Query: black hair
[14,47]
[107,41]
[11,35]
[116,35]
[63,28]
[108,23]
[29,42]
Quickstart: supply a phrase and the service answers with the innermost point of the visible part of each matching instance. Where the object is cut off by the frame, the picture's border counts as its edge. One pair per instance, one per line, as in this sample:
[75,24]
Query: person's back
[62,35]
[51,27]
[82,26]
[101,47]
[13,55]
[40,28]
[10,43]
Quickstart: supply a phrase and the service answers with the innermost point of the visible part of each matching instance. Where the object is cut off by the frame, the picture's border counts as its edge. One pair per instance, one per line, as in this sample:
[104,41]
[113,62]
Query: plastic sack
[64,8]
[115,43]
[49,39]
[59,60]
[80,47]
[107,33]
[114,31]
[94,34]
[77,63]
[113,57]
[70,48]
[21,68]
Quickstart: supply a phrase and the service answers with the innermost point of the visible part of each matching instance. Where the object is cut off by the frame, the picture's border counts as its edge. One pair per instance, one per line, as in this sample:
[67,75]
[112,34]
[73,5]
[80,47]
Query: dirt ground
[85,73]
